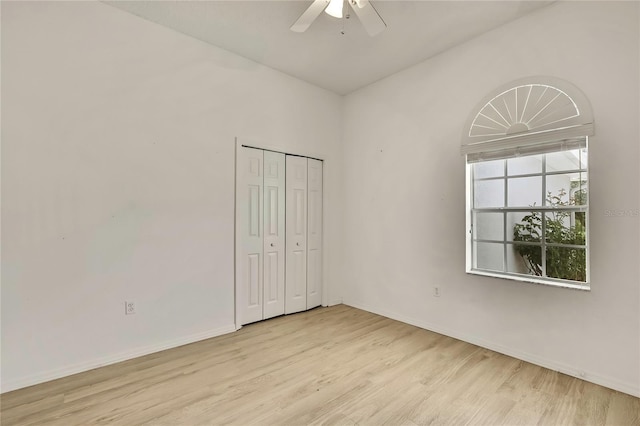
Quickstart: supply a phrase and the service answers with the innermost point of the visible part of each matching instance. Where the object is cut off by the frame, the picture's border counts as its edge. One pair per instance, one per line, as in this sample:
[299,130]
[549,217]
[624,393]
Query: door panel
[299,218]
[313,283]
[253,278]
[274,234]
[271,210]
[271,276]
[254,210]
[298,273]
[314,234]
[249,266]
[296,236]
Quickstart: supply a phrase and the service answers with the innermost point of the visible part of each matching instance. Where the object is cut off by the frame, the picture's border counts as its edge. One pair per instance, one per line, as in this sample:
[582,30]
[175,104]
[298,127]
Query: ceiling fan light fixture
[335,8]
[364,9]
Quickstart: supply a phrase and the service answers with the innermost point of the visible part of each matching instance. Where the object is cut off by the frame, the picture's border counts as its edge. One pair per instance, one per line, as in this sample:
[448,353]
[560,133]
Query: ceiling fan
[365,11]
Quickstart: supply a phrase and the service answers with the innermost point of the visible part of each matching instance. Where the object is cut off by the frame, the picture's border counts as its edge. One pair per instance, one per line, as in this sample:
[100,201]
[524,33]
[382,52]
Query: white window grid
[543,210]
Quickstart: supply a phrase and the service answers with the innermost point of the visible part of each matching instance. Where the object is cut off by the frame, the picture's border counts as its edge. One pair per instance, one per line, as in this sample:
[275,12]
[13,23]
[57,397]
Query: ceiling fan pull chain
[346,16]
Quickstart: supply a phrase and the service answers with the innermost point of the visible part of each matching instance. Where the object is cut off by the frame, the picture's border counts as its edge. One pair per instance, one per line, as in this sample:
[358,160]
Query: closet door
[274,234]
[296,239]
[249,263]
[314,233]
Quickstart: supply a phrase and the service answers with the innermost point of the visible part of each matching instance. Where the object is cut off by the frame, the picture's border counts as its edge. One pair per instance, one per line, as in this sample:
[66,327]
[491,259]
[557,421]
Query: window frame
[471,211]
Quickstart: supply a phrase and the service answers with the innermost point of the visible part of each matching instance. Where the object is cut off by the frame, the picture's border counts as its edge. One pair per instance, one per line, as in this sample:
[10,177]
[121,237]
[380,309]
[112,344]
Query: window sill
[530,279]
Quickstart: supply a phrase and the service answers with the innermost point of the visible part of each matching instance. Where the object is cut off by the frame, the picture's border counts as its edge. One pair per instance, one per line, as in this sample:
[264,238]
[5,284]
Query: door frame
[239,143]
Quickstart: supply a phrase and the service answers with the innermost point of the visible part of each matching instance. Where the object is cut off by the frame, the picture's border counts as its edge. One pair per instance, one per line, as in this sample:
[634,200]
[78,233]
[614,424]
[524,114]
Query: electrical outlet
[436,292]
[129,307]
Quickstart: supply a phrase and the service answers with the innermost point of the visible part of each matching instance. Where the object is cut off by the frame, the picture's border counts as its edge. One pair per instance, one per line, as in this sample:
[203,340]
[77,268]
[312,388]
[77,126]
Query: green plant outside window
[564,228]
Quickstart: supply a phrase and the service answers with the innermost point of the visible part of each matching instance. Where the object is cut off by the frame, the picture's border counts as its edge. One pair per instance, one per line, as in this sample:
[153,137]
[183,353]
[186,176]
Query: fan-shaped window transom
[523,108]
[527,112]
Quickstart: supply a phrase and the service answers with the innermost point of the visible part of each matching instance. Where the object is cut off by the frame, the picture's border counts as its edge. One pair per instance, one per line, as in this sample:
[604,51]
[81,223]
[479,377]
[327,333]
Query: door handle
[272,245]
[297,244]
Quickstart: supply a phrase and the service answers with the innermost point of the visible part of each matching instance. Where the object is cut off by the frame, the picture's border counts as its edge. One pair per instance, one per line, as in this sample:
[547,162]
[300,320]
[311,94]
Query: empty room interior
[320,212]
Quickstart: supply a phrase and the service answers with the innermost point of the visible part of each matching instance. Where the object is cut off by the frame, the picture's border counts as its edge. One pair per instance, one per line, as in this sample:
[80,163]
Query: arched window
[527,173]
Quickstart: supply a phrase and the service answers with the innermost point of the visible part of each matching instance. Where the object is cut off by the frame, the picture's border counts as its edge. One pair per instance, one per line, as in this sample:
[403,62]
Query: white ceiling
[259,30]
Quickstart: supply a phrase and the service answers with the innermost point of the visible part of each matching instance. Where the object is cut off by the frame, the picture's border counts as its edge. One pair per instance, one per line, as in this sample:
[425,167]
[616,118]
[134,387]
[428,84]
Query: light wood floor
[335,365]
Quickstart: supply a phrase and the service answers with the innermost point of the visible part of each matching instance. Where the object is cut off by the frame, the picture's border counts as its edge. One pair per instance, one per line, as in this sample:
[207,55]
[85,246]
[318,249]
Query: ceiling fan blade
[369,16]
[309,15]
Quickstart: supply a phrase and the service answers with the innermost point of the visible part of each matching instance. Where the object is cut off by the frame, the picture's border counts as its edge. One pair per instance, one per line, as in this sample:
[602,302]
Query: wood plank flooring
[337,365]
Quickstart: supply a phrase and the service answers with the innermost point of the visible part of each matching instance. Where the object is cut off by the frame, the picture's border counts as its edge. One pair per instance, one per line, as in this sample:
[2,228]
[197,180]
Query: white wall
[118,182]
[404,207]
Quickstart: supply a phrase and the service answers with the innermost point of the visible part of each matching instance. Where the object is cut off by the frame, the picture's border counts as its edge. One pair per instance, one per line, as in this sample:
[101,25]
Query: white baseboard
[593,377]
[58,373]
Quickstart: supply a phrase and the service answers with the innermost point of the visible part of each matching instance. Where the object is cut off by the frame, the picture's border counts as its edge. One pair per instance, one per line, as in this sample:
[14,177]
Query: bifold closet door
[296,235]
[314,233]
[278,234]
[260,263]
[274,234]
[249,262]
